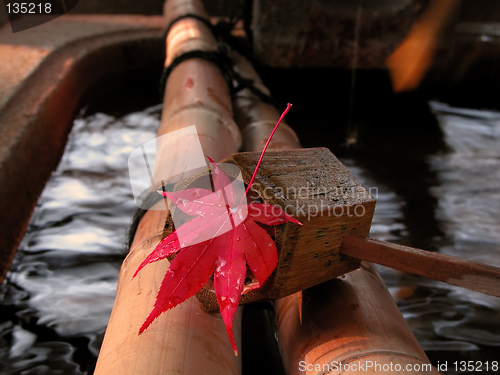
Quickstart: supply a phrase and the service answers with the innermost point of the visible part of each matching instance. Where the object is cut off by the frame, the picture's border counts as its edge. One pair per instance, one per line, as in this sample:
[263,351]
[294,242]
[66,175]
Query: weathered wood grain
[314,187]
[452,270]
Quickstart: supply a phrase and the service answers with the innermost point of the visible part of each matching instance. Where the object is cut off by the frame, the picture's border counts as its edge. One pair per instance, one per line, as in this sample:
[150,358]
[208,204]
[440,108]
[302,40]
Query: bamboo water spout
[185,339]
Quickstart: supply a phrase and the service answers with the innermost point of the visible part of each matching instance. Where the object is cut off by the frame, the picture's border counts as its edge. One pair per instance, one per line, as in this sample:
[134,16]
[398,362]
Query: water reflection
[467,192]
[62,285]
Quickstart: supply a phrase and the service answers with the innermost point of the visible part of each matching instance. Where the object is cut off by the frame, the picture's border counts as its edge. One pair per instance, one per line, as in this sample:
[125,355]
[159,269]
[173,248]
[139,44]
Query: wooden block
[314,187]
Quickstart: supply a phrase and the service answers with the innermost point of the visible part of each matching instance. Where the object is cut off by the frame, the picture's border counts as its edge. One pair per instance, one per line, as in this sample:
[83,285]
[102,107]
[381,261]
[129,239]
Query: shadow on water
[393,136]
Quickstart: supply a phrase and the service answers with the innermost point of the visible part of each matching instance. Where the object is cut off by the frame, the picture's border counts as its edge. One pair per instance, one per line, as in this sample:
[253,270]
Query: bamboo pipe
[255,118]
[352,319]
[196,92]
[185,339]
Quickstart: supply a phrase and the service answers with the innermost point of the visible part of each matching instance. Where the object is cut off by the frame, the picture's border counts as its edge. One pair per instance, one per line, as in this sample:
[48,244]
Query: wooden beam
[449,269]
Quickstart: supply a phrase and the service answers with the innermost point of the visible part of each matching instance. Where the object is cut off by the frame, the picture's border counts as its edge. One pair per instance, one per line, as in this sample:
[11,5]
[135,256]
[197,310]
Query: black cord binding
[188,15]
[219,58]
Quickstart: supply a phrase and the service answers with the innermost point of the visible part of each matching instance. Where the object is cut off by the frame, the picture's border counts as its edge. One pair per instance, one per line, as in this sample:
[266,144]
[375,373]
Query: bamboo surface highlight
[352,319]
[185,339]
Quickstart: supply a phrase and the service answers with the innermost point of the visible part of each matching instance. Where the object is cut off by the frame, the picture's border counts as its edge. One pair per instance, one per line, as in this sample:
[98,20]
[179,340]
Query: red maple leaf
[221,240]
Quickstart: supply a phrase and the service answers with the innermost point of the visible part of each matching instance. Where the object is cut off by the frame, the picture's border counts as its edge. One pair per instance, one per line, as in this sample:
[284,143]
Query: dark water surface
[438,180]
[465,196]
[61,287]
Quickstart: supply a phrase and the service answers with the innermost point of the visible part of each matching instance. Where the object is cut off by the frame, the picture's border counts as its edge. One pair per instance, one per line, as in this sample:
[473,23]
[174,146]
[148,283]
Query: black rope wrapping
[188,15]
[222,31]
[218,58]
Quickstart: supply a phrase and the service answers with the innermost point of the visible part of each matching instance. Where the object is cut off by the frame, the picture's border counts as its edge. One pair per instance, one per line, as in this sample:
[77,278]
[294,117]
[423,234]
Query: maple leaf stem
[288,106]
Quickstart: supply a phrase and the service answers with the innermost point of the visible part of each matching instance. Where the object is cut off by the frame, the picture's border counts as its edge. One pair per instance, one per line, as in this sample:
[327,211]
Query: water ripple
[62,285]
